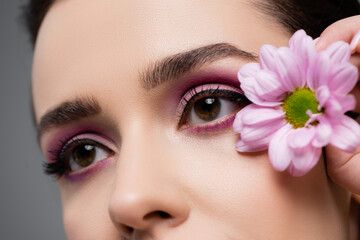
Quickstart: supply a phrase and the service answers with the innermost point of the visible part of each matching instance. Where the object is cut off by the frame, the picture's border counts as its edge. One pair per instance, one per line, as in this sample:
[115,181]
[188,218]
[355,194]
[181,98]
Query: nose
[147,192]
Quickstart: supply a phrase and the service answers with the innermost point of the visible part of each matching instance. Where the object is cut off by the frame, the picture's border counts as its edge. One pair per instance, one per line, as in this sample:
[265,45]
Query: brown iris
[207,108]
[84,155]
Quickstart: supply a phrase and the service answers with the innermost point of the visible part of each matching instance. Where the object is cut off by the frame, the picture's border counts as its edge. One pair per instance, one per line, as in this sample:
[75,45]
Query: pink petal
[344,78]
[279,152]
[305,155]
[338,105]
[248,85]
[303,46]
[255,129]
[267,57]
[323,132]
[248,70]
[257,133]
[301,137]
[289,69]
[295,172]
[306,158]
[319,71]
[339,52]
[346,135]
[256,116]
[242,146]
[238,121]
[347,102]
[333,108]
[322,95]
[268,86]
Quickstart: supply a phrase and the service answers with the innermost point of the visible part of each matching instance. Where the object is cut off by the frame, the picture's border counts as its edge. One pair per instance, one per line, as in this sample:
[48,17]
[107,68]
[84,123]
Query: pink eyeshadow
[86,172]
[215,127]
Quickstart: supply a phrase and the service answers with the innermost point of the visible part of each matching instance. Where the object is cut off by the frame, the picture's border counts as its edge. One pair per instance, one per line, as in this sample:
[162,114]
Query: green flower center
[296,105]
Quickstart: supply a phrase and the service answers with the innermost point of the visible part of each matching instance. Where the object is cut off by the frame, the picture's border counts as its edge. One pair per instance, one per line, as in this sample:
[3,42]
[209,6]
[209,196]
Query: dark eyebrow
[155,74]
[67,112]
[179,64]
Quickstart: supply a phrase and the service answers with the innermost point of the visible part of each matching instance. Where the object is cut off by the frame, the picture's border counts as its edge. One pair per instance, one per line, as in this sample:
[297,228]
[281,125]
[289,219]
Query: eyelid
[86,137]
[195,90]
[57,159]
[212,89]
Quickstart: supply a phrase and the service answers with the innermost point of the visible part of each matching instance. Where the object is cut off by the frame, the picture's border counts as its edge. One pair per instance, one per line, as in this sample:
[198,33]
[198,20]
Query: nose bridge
[146,190]
[144,153]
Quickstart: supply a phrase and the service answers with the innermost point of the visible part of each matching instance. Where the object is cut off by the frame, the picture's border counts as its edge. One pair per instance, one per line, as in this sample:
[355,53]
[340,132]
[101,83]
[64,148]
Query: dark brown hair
[311,15]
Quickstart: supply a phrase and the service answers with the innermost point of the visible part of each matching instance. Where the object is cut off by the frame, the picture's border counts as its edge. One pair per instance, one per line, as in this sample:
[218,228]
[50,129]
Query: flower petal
[303,46]
[338,105]
[306,158]
[339,52]
[347,102]
[267,57]
[248,70]
[319,71]
[323,132]
[343,78]
[238,121]
[280,153]
[346,135]
[295,172]
[289,69]
[268,86]
[255,146]
[241,146]
[257,133]
[301,137]
[256,126]
[322,95]
[305,155]
[256,116]
[248,85]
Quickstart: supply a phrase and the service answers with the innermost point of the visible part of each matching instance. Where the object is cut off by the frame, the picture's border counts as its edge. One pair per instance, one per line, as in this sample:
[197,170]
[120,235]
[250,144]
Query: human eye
[78,156]
[210,107]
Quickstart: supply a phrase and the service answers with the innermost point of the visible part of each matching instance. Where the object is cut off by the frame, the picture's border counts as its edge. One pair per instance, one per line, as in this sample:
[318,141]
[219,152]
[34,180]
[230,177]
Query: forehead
[84,45]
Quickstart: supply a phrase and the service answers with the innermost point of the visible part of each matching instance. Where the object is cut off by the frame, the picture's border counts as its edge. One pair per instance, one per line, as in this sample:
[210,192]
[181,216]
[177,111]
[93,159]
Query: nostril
[157,214]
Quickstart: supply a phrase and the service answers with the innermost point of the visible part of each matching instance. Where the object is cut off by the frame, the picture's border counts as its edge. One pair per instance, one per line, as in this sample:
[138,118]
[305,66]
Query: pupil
[84,155]
[207,108]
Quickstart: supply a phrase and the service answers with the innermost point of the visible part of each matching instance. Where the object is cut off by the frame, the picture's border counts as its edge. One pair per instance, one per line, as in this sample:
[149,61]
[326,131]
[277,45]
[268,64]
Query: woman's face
[135,99]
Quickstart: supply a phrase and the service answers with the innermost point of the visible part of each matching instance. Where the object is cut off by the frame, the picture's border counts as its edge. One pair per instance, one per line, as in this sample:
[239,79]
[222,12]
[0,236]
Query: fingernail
[355,41]
[318,44]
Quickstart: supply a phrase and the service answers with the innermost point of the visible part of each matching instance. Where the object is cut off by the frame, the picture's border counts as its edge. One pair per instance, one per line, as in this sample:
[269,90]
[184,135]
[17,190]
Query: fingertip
[354,45]
[319,44]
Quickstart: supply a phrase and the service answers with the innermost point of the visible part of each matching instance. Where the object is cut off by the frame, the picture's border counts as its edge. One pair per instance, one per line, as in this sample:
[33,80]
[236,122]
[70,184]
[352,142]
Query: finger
[343,30]
[344,168]
[355,43]
[356,197]
[355,59]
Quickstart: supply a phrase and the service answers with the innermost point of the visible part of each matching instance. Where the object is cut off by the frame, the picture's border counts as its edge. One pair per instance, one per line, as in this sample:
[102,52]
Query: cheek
[244,195]
[85,208]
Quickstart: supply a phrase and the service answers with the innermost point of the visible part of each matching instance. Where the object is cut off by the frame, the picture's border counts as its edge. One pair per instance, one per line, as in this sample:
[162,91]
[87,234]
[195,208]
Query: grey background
[30,206]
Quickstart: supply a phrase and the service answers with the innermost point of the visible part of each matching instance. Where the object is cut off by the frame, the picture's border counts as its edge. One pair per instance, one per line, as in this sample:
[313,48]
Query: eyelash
[60,164]
[60,154]
[187,104]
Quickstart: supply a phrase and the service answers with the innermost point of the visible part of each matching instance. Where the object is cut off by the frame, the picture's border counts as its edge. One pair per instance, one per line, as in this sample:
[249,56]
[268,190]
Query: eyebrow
[174,66]
[155,74]
[67,112]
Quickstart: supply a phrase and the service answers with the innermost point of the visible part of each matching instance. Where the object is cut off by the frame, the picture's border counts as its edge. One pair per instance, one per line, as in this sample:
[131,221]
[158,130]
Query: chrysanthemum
[299,100]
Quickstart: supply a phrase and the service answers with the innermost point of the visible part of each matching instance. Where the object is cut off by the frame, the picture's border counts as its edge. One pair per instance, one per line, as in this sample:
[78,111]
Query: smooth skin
[164,182]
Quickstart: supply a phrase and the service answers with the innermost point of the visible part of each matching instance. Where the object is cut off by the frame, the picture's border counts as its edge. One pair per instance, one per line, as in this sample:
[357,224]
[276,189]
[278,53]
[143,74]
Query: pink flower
[299,99]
